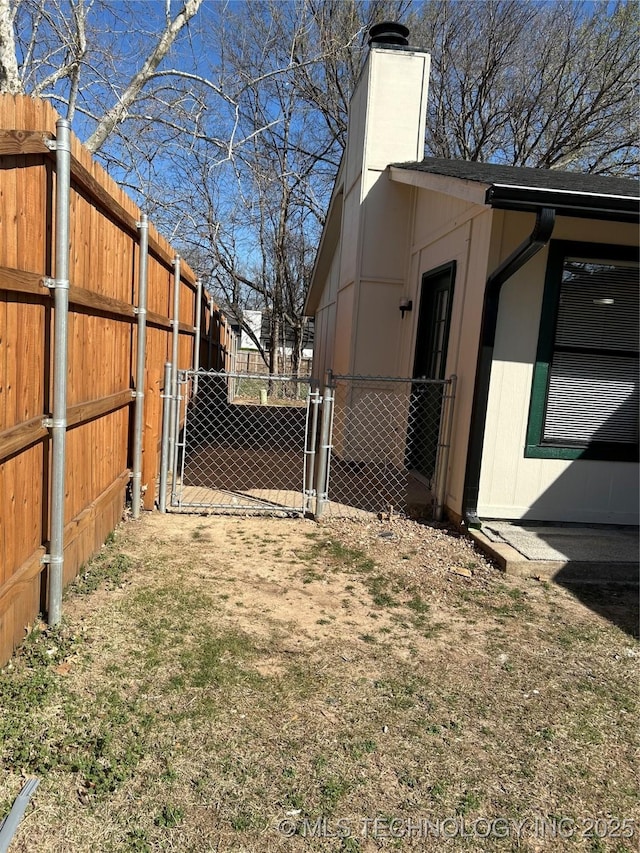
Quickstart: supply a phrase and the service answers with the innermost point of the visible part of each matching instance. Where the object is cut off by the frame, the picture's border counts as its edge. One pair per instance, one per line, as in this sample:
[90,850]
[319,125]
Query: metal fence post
[177,401]
[143,228]
[196,351]
[313,402]
[324,448]
[175,324]
[209,336]
[444,444]
[58,423]
[164,449]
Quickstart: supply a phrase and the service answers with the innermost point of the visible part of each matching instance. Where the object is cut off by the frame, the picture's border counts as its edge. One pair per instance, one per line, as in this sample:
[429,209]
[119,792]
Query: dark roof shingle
[521,176]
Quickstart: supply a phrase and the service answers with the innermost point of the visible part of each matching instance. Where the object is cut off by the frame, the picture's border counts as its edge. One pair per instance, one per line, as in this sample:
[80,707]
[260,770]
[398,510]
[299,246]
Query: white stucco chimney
[388,109]
[387,119]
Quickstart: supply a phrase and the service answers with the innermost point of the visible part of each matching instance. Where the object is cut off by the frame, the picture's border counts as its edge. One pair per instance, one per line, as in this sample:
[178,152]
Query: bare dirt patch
[255,684]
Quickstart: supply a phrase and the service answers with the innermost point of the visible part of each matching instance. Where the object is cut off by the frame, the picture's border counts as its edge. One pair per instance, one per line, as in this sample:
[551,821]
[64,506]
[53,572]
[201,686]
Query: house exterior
[247,356]
[521,282]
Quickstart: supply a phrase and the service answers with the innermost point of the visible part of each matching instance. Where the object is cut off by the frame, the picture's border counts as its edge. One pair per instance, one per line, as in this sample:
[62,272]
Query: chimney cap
[389,32]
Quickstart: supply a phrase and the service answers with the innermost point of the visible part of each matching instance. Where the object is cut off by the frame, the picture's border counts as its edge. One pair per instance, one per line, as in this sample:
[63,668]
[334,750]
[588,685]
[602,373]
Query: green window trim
[536,446]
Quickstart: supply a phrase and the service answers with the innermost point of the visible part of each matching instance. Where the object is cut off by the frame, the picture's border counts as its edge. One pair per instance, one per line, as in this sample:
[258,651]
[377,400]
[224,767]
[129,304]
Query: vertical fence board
[7,198]
[9,517]
[5,565]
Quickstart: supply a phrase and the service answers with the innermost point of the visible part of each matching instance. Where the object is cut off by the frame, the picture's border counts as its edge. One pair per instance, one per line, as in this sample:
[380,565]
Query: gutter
[565,202]
[539,237]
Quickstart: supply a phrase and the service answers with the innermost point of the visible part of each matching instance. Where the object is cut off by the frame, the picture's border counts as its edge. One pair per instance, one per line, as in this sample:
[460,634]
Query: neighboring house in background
[248,356]
[522,282]
[252,319]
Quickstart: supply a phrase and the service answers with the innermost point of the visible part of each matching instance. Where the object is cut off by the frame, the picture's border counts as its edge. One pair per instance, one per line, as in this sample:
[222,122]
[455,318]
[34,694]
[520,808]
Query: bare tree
[149,67]
[295,66]
[548,85]
[264,238]
[326,86]
[73,52]
[228,121]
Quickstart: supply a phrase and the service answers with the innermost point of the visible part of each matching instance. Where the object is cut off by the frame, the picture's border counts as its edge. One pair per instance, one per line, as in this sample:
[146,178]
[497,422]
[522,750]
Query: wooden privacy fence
[104,255]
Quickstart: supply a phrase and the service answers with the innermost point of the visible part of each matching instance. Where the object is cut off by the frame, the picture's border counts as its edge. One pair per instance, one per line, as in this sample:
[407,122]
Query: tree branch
[115,115]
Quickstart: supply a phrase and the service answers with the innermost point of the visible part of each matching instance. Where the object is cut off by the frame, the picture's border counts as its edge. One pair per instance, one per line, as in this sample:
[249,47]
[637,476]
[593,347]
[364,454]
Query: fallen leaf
[465,573]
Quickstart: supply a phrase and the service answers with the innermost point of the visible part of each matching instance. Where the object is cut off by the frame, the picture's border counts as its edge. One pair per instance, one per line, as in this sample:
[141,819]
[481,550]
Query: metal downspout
[539,237]
[11,822]
[58,422]
[136,484]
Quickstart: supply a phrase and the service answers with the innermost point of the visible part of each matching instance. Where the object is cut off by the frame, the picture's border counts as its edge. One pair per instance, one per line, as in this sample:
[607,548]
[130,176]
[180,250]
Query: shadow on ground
[616,602]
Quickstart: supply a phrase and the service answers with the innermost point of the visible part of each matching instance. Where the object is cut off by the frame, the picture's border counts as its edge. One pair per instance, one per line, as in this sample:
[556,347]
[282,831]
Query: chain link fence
[389,446]
[242,442]
[254,443]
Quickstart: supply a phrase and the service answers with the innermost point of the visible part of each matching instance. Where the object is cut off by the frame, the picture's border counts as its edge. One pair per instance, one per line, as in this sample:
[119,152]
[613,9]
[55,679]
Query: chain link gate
[244,442]
[275,444]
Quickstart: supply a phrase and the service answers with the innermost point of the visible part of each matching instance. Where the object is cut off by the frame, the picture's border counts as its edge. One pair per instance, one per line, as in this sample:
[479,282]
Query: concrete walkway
[568,552]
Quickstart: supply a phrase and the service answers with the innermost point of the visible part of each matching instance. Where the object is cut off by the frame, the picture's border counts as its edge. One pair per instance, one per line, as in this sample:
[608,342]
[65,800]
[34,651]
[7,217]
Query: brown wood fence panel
[103,273]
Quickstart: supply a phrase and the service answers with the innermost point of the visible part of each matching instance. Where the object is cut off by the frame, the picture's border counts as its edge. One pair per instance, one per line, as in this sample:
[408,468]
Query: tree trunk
[10,82]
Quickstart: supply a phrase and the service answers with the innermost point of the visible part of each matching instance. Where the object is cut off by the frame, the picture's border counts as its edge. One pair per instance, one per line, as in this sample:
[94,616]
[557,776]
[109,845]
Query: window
[584,402]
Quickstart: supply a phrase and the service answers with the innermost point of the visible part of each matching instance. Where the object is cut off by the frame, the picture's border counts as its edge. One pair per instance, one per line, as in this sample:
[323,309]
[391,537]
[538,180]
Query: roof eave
[503,196]
[467,190]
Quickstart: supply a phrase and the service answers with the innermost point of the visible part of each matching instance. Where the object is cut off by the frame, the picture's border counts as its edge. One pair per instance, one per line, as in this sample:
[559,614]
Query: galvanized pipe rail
[196,346]
[175,323]
[164,449]
[324,450]
[136,477]
[58,423]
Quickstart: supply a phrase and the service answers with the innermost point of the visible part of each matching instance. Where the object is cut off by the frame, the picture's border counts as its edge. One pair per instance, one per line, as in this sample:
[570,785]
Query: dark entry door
[432,339]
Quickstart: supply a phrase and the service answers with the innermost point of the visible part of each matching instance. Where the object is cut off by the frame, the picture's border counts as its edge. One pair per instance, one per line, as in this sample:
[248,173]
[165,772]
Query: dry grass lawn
[254,685]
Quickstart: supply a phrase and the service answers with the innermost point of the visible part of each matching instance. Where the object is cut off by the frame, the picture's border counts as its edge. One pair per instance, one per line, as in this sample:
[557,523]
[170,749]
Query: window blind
[593,375]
